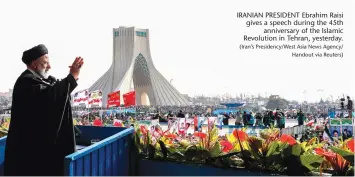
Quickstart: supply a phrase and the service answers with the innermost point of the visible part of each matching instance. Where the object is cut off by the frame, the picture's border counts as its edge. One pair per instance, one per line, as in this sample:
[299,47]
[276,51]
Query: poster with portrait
[182,125]
[212,121]
[95,99]
[340,127]
[334,126]
[347,126]
[172,125]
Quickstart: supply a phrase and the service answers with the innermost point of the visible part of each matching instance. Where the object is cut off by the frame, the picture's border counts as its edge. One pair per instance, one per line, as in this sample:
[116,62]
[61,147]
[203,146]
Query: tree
[276,102]
[3,101]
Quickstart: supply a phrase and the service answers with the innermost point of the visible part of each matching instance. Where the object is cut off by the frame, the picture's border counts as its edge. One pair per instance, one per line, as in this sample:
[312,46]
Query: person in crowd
[156,116]
[282,121]
[272,118]
[258,118]
[301,118]
[238,119]
[180,114]
[251,119]
[169,115]
[347,134]
[117,123]
[350,107]
[245,118]
[97,122]
[52,134]
[225,118]
[266,119]
[320,136]
[161,119]
[335,134]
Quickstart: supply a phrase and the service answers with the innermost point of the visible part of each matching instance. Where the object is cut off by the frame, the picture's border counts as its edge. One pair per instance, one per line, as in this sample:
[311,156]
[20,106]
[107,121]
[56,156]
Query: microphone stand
[77,131]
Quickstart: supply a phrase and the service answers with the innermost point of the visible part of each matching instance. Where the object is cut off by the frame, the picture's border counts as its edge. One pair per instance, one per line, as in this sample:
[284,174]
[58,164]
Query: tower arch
[132,63]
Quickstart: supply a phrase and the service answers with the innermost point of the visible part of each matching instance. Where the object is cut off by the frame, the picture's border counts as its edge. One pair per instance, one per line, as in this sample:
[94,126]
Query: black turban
[34,53]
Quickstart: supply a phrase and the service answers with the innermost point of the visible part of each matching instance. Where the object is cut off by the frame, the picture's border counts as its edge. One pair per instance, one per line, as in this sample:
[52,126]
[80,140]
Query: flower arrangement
[270,152]
[4,127]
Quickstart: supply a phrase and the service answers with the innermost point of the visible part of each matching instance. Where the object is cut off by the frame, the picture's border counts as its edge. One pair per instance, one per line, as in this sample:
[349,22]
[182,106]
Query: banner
[172,125]
[196,123]
[95,99]
[81,98]
[129,99]
[113,99]
[182,125]
[340,127]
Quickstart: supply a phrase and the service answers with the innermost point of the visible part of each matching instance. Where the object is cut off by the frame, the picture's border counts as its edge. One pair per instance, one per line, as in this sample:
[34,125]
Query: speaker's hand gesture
[76,66]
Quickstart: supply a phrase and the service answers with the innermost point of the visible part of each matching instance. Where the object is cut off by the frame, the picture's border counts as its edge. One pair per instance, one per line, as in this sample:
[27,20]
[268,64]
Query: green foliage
[257,154]
[276,102]
[273,147]
[348,156]
[311,161]
[215,150]
[297,150]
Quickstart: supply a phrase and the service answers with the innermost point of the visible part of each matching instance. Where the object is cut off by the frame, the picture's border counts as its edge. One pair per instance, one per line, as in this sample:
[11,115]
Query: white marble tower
[133,69]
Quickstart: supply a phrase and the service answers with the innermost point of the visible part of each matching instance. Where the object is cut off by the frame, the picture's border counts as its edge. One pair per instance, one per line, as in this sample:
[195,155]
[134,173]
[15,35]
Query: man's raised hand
[76,66]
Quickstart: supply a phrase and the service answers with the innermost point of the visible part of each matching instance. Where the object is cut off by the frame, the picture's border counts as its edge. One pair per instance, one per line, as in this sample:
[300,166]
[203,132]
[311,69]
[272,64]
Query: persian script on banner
[113,99]
[81,98]
[95,99]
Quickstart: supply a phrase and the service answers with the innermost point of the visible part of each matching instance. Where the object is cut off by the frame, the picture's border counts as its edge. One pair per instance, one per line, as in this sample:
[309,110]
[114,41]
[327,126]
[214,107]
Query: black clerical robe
[41,130]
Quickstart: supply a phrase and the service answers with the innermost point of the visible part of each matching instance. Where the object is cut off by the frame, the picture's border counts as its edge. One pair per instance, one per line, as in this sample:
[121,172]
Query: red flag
[129,99]
[113,99]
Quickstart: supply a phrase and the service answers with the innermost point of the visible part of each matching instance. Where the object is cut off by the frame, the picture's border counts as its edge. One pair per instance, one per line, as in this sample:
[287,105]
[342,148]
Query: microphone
[52,79]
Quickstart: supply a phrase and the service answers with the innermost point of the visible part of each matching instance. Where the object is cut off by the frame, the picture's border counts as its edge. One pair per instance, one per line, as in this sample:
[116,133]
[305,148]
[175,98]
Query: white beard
[43,73]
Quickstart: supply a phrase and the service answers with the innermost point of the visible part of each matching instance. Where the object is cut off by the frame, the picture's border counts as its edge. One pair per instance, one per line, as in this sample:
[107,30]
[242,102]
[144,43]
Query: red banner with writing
[129,99]
[113,99]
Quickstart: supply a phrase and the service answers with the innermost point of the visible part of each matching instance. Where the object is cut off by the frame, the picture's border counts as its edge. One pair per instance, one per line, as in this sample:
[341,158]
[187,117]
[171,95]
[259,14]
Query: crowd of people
[163,114]
[240,115]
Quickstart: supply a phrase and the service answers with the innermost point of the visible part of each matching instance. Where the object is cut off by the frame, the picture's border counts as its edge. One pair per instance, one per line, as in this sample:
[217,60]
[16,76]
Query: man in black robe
[41,130]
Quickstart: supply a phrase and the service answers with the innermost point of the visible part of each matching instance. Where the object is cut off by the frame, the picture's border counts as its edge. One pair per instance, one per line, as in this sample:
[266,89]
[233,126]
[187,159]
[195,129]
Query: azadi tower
[132,68]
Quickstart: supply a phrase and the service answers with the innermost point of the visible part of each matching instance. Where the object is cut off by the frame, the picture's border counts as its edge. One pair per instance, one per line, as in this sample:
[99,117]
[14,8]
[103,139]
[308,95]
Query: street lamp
[321,90]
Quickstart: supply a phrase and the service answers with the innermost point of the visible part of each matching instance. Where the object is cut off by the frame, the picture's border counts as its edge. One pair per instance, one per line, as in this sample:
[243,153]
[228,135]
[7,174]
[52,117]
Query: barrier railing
[299,129]
[109,157]
[2,154]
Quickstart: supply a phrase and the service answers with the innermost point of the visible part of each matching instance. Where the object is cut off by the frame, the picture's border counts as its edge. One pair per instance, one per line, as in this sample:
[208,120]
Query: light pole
[304,94]
[321,96]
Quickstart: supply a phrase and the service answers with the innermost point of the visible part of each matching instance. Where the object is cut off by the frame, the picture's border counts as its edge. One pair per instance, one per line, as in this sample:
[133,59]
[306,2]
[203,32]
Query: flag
[113,99]
[326,135]
[129,99]
[310,123]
